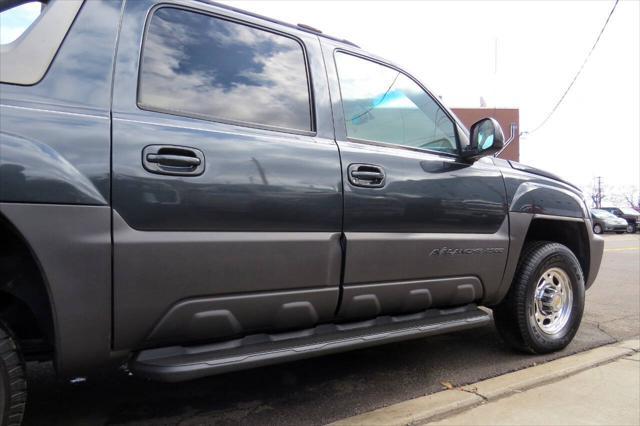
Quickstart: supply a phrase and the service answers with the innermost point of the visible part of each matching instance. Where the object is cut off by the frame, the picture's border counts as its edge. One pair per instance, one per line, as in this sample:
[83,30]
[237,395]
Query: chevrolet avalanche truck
[188,189]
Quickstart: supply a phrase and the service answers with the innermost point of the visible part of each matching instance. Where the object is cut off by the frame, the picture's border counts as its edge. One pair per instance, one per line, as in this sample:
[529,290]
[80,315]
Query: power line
[577,74]
[379,102]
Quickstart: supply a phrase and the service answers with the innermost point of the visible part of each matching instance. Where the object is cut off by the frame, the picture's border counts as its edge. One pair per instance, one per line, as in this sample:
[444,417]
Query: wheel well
[571,234]
[24,301]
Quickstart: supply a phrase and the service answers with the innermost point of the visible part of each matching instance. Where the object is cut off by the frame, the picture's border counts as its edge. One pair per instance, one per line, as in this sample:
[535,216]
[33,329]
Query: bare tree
[633,199]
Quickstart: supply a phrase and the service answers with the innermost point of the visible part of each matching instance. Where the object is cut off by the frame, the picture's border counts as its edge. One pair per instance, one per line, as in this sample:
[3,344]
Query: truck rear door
[226,182]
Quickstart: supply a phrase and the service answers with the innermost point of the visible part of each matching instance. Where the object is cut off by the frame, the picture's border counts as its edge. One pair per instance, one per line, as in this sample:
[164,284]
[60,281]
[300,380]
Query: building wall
[505,117]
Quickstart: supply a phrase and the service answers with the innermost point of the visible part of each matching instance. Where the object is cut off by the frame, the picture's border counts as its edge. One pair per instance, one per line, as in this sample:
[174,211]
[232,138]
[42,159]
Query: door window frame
[177,113]
[456,125]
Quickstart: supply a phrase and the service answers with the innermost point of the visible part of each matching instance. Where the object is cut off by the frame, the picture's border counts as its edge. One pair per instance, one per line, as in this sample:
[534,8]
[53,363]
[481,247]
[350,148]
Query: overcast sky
[450,47]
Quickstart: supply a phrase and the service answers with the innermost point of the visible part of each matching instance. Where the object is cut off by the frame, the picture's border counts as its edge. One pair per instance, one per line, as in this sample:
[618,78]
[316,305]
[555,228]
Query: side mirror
[486,138]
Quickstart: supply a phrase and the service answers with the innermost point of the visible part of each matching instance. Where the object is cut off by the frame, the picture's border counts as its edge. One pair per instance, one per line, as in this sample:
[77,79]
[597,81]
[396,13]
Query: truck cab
[188,189]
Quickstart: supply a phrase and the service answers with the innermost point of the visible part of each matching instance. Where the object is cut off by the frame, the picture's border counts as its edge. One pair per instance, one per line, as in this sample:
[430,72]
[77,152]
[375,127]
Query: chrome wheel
[597,229]
[553,299]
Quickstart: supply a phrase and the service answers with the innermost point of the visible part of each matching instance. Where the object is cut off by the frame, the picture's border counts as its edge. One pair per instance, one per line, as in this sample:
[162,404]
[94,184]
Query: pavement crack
[620,318]
[474,391]
[605,332]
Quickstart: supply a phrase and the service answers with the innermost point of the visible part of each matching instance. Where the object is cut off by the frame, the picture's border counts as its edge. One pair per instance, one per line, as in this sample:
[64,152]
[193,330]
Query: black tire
[514,316]
[597,229]
[13,382]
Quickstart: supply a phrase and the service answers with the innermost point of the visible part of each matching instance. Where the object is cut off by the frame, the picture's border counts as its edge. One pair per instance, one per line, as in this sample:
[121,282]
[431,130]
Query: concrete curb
[441,404]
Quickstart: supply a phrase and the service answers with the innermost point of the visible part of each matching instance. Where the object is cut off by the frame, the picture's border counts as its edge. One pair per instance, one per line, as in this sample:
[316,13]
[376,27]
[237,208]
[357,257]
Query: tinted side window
[15,21]
[383,105]
[197,65]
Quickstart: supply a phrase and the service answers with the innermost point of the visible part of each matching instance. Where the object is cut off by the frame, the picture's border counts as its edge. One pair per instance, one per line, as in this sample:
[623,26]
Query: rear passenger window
[201,66]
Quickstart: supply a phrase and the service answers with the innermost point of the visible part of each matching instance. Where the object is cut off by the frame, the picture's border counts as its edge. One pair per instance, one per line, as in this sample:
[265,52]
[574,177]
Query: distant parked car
[630,215]
[604,221]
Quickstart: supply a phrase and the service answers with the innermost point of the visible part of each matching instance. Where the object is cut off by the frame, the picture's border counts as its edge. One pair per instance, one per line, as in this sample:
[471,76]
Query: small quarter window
[383,105]
[15,21]
[30,35]
[198,65]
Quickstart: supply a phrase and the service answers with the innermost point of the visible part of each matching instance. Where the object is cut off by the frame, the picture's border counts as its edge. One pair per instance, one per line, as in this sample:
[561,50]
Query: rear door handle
[366,175]
[173,160]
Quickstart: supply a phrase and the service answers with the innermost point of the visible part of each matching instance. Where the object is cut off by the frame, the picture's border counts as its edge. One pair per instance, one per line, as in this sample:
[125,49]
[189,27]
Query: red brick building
[509,119]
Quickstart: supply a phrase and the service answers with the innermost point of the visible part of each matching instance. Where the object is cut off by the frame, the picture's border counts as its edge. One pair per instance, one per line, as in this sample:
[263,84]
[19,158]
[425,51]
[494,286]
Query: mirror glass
[485,135]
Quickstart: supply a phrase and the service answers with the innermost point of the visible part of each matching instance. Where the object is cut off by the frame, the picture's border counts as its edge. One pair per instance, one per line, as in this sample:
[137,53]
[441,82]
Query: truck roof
[301,27]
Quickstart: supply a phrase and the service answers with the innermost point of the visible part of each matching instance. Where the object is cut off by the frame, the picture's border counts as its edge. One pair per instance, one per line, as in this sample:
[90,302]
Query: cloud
[234,72]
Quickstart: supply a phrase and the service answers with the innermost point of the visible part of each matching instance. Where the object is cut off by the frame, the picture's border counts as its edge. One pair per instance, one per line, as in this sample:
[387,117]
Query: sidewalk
[605,395]
[600,386]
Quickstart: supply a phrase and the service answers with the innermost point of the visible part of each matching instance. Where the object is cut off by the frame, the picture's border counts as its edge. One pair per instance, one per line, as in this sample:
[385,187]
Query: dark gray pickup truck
[189,189]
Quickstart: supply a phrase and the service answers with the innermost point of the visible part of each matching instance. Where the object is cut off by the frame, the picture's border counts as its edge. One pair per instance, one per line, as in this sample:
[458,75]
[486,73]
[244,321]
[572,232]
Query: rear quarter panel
[55,174]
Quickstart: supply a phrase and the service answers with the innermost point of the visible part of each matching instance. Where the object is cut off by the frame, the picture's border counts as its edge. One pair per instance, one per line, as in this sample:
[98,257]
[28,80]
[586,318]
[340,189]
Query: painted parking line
[622,249]
[621,237]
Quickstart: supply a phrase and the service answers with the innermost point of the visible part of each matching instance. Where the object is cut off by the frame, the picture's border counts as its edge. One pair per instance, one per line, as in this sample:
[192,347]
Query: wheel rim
[552,301]
[630,229]
[597,229]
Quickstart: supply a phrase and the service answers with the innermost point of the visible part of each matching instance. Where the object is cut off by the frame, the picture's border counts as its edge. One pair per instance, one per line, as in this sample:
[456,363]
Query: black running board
[179,363]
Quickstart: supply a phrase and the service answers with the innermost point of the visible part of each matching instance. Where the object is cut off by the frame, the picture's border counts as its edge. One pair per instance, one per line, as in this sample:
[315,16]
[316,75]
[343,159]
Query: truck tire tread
[511,314]
[13,380]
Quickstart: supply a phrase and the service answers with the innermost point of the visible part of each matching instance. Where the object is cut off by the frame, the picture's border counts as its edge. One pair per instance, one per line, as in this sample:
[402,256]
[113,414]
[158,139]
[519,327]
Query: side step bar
[179,363]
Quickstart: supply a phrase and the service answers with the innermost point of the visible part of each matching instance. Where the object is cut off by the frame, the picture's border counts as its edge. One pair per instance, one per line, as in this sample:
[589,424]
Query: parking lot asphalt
[329,388]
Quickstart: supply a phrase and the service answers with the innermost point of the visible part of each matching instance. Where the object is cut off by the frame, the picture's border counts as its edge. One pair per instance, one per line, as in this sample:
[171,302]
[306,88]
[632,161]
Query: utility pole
[598,195]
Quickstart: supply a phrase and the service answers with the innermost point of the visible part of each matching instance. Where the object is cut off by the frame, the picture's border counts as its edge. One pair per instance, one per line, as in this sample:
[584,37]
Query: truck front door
[423,229]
